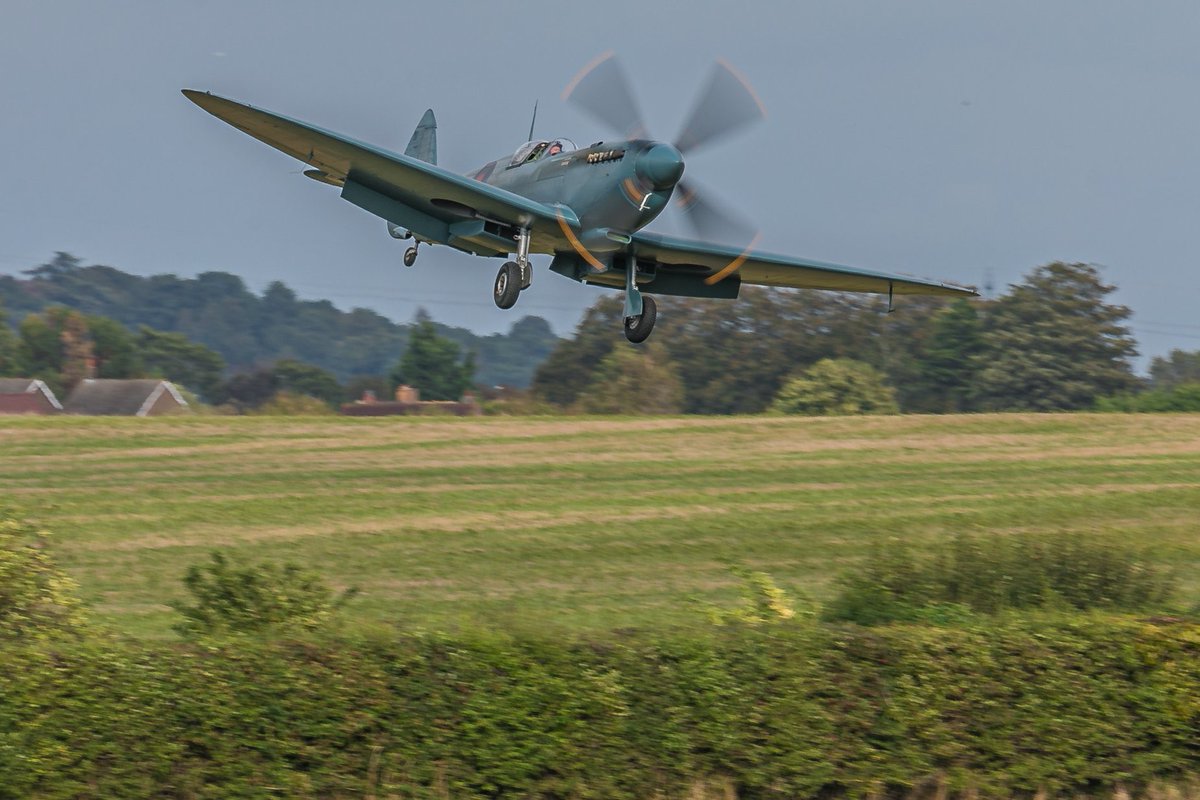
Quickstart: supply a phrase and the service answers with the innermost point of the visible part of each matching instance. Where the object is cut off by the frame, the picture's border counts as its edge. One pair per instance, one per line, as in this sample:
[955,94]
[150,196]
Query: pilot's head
[555,148]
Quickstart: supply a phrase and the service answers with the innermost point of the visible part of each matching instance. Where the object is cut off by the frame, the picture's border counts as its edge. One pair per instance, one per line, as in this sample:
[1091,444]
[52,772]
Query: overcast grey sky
[946,139]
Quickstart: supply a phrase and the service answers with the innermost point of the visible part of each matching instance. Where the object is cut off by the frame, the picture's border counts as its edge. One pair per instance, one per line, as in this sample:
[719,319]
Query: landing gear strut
[515,276]
[640,312]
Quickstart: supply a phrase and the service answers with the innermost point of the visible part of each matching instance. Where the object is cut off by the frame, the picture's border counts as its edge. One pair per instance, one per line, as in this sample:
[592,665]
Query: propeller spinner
[726,104]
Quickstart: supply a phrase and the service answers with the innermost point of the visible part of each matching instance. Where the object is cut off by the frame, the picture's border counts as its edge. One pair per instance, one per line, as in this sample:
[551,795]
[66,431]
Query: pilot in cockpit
[555,149]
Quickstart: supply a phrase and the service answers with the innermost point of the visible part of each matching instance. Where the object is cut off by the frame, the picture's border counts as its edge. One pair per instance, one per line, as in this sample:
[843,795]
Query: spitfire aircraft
[584,206]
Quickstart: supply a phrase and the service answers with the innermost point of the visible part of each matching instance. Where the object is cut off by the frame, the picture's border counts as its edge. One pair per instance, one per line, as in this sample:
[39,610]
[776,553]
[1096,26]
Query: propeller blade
[712,221]
[603,90]
[578,246]
[726,104]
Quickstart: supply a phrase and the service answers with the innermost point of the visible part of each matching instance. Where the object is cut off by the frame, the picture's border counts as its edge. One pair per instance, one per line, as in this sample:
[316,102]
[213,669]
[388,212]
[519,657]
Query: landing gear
[523,258]
[638,327]
[515,276]
[508,285]
[410,256]
[640,312]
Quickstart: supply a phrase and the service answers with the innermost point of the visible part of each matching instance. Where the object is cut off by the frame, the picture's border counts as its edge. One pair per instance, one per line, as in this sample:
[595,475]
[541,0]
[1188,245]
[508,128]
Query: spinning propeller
[726,104]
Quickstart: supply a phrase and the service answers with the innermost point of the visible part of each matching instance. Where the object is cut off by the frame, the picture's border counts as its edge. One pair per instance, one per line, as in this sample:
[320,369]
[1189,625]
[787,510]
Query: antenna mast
[532,121]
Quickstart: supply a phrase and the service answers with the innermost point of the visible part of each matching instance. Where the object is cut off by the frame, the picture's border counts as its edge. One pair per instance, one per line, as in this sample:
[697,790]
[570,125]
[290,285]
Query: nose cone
[661,166]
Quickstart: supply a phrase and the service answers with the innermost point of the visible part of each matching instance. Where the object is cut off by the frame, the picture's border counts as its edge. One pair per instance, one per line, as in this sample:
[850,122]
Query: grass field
[574,522]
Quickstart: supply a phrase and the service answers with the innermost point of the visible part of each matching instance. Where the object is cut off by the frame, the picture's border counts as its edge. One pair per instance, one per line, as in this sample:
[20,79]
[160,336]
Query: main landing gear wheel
[639,327]
[410,256]
[508,285]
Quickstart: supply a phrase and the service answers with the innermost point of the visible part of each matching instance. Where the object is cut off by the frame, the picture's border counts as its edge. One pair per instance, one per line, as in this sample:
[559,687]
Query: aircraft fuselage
[619,186]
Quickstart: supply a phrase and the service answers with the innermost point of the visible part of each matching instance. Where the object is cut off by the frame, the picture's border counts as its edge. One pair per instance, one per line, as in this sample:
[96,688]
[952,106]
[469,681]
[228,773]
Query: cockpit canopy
[532,151]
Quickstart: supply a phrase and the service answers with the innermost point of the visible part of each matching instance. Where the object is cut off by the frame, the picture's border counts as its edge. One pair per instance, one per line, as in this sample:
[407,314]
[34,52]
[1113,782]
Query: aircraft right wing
[714,263]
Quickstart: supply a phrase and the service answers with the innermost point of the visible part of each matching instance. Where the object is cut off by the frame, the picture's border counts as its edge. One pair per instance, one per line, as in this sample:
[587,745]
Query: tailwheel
[508,285]
[639,327]
[410,256]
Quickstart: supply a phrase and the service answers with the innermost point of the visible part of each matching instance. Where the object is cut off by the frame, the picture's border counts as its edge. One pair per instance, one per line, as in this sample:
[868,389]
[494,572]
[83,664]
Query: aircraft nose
[661,166]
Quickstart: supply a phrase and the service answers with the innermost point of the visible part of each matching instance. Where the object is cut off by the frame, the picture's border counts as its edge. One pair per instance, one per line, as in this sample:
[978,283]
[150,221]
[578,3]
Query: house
[133,398]
[27,396]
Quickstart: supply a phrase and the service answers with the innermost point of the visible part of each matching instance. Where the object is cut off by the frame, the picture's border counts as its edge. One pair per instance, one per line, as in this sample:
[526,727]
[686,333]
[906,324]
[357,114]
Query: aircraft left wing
[430,201]
[766,269]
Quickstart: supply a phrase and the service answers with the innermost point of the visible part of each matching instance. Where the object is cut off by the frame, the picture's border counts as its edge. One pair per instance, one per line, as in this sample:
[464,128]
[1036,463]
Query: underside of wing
[718,263]
[435,204]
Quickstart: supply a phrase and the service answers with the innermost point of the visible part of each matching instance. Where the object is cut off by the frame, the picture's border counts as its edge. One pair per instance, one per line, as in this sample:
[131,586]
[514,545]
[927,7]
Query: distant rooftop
[134,398]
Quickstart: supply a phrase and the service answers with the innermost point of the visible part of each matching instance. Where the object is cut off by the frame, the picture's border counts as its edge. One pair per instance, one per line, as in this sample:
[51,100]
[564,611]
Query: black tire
[638,328]
[508,285]
[410,256]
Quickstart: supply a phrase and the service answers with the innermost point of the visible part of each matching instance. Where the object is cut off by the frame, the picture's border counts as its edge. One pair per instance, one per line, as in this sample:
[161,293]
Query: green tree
[39,352]
[634,380]
[837,386]
[8,347]
[950,363]
[434,364]
[55,346]
[62,264]
[305,379]
[732,357]
[247,390]
[174,357]
[1177,368]
[568,370]
[114,349]
[1054,343]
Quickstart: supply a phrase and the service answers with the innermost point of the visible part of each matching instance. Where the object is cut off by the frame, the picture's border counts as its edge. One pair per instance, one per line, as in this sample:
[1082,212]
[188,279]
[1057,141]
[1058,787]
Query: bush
[1184,397]
[290,404]
[997,573]
[763,601]
[36,599]
[252,599]
[633,381]
[837,386]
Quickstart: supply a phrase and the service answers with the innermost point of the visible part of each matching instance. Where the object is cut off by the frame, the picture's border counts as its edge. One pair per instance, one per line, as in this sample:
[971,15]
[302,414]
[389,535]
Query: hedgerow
[795,709]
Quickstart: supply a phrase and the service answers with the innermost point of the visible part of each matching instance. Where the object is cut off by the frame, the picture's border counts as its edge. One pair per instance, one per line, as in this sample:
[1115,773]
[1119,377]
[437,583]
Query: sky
[958,140]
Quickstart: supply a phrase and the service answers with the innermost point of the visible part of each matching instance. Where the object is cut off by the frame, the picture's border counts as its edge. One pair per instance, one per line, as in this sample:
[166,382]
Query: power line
[1168,334]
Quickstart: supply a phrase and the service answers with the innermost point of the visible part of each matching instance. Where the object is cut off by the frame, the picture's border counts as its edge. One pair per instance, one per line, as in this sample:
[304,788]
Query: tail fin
[423,144]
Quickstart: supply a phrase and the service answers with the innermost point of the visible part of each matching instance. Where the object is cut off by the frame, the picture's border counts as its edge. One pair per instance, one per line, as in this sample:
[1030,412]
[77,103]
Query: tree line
[1053,342]
[250,332]
[61,346]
